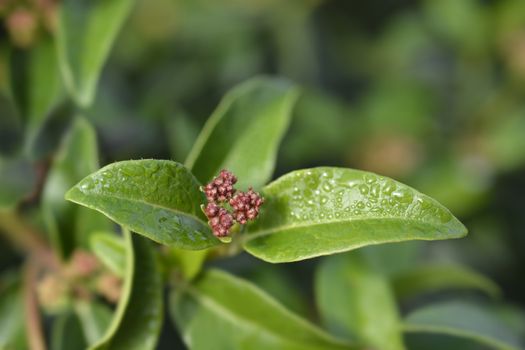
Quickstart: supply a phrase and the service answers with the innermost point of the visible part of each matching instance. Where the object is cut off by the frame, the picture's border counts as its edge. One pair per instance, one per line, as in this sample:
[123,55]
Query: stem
[26,239]
[31,311]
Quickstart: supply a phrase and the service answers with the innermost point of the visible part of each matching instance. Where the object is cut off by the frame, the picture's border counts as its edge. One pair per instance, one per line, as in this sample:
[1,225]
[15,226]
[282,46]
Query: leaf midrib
[257,234]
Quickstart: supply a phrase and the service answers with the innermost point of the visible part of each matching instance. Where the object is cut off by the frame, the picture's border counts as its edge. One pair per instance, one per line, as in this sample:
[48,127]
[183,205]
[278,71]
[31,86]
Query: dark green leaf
[86,33]
[111,250]
[137,321]
[322,211]
[244,132]
[77,158]
[11,133]
[16,182]
[432,278]
[219,311]
[463,320]
[159,199]
[357,302]
[67,333]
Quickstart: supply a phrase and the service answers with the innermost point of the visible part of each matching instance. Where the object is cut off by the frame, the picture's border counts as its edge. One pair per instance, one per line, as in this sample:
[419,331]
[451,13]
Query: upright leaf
[86,32]
[12,326]
[67,333]
[77,158]
[137,321]
[244,132]
[189,262]
[159,199]
[463,320]
[219,311]
[432,278]
[321,211]
[94,318]
[10,126]
[357,302]
[111,250]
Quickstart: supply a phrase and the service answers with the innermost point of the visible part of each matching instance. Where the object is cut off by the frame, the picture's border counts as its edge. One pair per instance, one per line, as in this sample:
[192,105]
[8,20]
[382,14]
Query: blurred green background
[430,93]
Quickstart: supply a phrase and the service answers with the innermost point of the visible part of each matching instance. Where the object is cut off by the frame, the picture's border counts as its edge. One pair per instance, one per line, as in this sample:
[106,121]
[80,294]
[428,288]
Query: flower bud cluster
[245,205]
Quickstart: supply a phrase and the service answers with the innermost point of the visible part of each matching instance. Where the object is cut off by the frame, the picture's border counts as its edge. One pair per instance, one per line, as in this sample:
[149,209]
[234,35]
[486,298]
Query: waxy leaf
[111,250]
[219,311]
[463,320]
[86,32]
[244,132]
[320,211]
[70,225]
[137,321]
[357,302]
[159,199]
[435,278]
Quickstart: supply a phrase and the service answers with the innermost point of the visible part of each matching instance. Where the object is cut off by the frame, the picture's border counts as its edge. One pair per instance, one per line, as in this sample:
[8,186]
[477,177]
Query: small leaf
[86,33]
[12,327]
[189,261]
[16,182]
[67,333]
[60,216]
[432,278]
[111,250]
[11,132]
[320,211]
[137,321]
[244,132]
[219,311]
[463,320]
[357,302]
[159,199]
[94,318]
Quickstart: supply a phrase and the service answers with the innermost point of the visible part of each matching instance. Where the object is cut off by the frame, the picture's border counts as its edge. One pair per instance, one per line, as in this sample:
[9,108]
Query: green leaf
[61,217]
[67,333]
[16,182]
[110,250]
[159,199]
[189,261]
[137,321]
[463,320]
[12,327]
[86,32]
[244,132]
[432,278]
[94,318]
[11,132]
[36,84]
[320,211]
[357,302]
[219,311]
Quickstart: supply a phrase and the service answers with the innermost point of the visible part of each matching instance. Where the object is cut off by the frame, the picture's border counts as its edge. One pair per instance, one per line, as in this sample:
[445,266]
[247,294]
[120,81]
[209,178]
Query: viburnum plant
[100,286]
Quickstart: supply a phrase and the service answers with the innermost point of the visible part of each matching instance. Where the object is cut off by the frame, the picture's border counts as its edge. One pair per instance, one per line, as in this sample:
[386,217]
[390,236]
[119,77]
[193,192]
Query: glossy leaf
[94,318]
[12,325]
[137,321]
[86,33]
[357,302]
[66,222]
[16,182]
[433,278]
[159,199]
[111,250]
[219,311]
[320,211]
[463,320]
[244,132]
[67,333]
